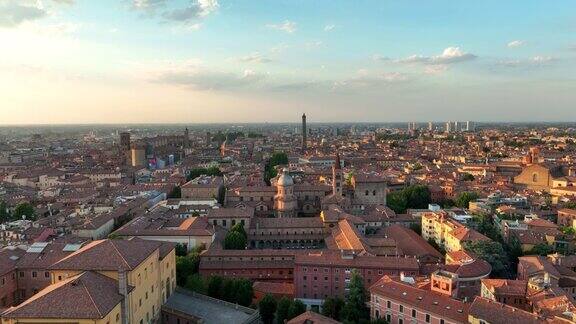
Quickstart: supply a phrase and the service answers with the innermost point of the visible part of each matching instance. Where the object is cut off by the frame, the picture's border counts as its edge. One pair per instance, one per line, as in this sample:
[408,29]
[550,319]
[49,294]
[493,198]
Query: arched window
[535,177]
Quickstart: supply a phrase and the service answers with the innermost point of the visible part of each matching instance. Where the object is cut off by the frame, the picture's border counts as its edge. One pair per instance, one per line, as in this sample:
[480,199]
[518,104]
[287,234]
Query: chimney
[123,290]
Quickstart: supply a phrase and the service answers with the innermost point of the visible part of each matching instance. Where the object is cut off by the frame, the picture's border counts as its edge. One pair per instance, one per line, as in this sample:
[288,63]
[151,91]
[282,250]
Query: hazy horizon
[67,62]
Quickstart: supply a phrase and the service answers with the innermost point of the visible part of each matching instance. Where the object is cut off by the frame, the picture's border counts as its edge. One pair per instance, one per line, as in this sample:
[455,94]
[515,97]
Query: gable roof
[110,255]
[89,295]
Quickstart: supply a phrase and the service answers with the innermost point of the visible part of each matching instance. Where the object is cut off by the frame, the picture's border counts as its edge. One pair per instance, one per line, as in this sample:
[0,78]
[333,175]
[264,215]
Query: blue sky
[80,61]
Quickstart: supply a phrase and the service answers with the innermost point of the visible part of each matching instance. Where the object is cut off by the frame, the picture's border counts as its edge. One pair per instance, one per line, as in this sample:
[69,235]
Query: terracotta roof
[535,264]
[9,258]
[108,255]
[230,213]
[467,234]
[506,286]
[277,288]
[310,317]
[166,224]
[89,295]
[494,312]
[335,258]
[409,242]
[434,303]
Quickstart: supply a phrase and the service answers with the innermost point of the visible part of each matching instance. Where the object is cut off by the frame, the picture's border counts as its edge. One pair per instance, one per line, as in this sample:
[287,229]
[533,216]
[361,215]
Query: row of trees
[416,196]
[236,238]
[238,291]
[22,209]
[211,171]
[462,200]
[272,311]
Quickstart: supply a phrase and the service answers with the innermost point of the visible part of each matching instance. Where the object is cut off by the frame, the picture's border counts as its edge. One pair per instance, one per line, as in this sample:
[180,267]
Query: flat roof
[210,310]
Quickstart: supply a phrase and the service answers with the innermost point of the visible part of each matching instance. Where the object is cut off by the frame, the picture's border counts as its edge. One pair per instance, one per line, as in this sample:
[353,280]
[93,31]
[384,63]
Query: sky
[213,61]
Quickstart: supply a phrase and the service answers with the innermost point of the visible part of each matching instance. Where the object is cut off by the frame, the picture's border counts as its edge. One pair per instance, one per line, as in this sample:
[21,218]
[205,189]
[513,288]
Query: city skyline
[210,61]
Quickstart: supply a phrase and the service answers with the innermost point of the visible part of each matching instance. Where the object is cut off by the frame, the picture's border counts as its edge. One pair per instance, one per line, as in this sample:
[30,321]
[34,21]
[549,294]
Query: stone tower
[304,133]
[285,202]
[337,177]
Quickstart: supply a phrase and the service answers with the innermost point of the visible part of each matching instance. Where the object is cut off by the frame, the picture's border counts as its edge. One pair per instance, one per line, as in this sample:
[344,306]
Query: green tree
[244,292]
[418,196]
[570,205]
[297,307]
[234,241]
[493,253]
[229,289]
[181,250]
[282,310]
[240,229]
[464,198]
[277,158]
[195,282]
[186,266]
[211,171]
[4,215]
[175,193]
[332,307]
[485,225]
[568,230]
[467,177]
[397,201]
[542,249]
[355,309]
[267,309]
[24,209]
[214,287]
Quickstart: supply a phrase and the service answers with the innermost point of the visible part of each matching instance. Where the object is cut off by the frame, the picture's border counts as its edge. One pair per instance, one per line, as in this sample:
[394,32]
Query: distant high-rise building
[456,126]
[304,133]
[448,127]
[430,126]
[469,126]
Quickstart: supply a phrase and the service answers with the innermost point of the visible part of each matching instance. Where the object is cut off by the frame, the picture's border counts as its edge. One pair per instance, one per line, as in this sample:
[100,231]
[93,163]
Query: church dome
[285,179]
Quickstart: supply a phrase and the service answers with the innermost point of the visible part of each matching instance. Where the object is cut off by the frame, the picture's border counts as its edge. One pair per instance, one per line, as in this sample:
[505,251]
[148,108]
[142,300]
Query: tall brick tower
[304,133]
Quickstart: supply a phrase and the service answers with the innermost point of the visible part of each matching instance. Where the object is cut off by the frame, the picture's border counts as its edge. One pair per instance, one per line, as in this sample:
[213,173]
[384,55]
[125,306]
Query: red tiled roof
[494,312]
[89,295]
[441,305]
[108,255]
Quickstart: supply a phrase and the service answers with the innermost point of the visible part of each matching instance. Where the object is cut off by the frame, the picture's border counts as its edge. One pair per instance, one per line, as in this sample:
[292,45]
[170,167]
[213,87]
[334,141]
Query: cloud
[380,58]
[535,61]
[15,12]
[211,80]
[361,81]
[286,26]
[329,27]
[448,56]
[254,58]
[516,43]
[542,59]
[148,5]
[197,9]
[435,69]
